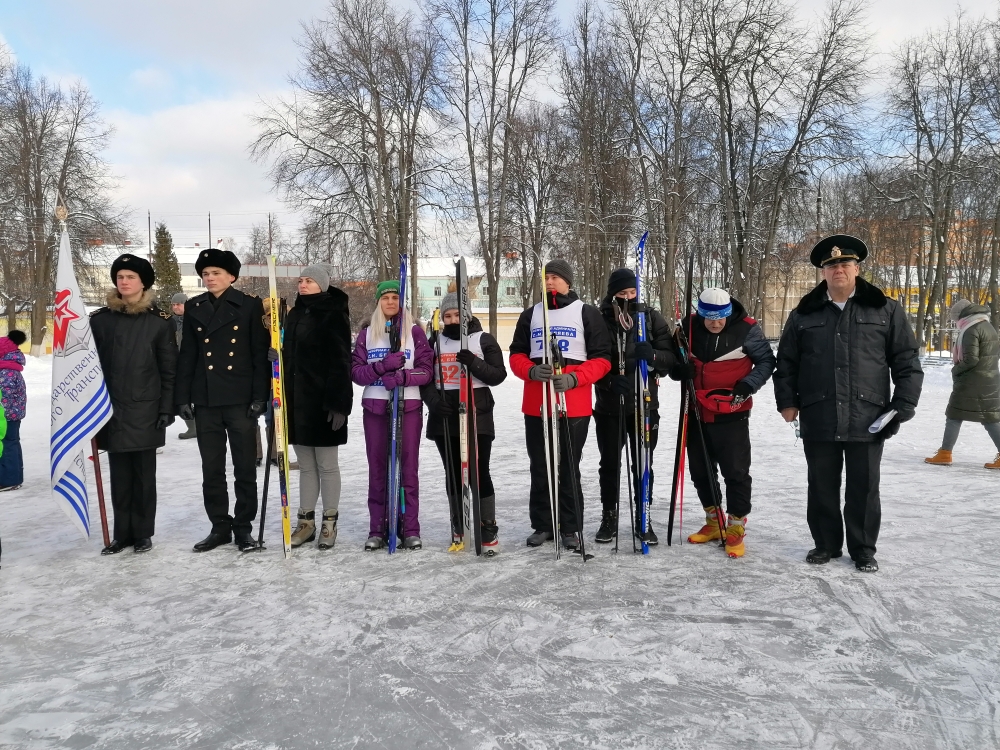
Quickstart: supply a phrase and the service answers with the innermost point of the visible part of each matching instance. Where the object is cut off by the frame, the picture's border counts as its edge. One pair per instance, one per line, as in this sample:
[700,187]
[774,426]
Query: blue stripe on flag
[81,491]
[85,422]
[64,489]
[102,392]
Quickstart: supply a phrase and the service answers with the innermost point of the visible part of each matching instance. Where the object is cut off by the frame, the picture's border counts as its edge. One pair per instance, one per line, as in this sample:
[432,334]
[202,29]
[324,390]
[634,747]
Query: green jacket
[975,394]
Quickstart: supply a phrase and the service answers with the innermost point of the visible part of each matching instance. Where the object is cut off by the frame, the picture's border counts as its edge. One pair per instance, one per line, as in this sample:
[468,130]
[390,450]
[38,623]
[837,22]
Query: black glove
[890,429]
[256,409]
[683,371]
[565,382]
[164,421]
[540,372]
[336,419]
[272,354]
[186,411]
[466,357]
[444,408]
[741,392]
[621,385]
[644,350]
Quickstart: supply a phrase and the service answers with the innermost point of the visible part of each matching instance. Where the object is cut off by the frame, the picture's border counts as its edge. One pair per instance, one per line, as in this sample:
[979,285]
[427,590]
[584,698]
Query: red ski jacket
[579,401]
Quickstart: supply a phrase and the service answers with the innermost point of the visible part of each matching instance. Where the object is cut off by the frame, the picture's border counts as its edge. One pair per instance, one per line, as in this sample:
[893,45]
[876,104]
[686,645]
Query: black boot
[609,527]
[115,547]
[143,545]
[649,537]
[244,540]
[213,540]
[820,556]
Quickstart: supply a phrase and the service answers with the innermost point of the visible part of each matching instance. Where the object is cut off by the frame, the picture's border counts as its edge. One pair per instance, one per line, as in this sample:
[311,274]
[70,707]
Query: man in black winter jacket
[840,347]
[613,422]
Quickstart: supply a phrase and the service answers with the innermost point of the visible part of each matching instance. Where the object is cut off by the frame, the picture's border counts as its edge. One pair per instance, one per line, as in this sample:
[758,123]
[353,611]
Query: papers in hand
[882,421]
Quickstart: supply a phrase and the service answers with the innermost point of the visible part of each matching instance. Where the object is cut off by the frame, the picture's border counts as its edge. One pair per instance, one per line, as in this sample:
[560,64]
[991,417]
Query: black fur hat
[136,263]
[224,259]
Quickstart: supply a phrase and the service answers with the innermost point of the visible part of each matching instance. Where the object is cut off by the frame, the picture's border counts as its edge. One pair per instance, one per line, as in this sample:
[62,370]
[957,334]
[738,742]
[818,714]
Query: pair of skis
[689,407]
[555,416]
[396,497]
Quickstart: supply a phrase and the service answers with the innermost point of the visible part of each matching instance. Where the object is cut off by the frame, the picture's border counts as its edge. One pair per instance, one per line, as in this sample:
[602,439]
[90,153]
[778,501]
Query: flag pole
[100,491]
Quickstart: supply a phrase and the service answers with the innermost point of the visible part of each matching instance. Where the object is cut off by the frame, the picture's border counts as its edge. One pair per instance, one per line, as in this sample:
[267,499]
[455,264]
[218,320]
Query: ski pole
[100,492]
[269,432]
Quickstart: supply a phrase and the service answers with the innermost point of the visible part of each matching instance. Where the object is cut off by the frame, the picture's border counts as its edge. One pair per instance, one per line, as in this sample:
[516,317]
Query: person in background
[177,318]
[14,397]
[135,343]
[975,393]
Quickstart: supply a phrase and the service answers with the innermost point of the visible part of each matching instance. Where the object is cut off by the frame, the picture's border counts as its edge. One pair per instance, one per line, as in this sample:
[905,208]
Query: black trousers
[133,494]
[729,449]
[487,495]
[862,505]
[610,445]
[214,425]
[539,509]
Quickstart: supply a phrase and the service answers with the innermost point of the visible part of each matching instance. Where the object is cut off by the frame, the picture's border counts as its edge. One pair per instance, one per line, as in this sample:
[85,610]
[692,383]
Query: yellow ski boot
[457,543]
[735,531]
[943,458]
[709,532]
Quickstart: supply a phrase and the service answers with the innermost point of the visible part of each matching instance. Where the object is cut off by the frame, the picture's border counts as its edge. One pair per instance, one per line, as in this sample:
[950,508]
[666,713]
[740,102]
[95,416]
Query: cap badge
[835,253]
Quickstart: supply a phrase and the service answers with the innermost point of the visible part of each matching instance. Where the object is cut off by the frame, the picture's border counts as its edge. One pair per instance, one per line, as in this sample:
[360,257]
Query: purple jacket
[422,373]
[11,381]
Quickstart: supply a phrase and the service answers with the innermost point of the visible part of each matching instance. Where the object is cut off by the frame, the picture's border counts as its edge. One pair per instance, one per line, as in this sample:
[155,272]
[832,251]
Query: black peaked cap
[837,249]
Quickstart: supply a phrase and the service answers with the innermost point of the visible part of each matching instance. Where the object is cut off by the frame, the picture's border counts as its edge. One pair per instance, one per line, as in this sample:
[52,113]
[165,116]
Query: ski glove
[466,357]
[336,420]
[393,361]
[540,372]
[644,350]
[272,354]
[683,371]
[565,382]
[621,385]
[444,409]
[185,411]
[394,379]
[164,421]
[256,409]
[741,392]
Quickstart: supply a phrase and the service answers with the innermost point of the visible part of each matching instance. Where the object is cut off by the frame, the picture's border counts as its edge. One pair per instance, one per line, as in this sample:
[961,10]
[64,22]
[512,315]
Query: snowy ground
[342,649]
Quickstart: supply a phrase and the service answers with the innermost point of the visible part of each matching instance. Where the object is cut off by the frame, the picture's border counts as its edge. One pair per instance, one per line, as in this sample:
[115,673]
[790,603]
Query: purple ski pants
[377,445]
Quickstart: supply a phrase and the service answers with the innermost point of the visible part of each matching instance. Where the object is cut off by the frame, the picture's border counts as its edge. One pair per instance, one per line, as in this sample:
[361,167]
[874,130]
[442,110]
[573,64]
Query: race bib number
[562,334]
[451,370]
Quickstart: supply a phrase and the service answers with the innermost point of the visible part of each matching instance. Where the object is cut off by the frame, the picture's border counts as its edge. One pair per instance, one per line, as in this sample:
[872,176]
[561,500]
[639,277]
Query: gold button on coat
[232,341]
[230,354]
[208,354]
[206,341]
[236,328]
[230,367]
[210,367]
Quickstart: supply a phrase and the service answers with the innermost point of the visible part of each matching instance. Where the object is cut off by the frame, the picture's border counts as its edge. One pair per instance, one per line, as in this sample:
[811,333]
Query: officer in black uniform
[839,350]
[223,383]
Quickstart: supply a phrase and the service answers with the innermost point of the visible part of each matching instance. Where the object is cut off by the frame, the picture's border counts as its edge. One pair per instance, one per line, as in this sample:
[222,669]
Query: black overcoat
[835,366]
[316,353]
[135,343]
[223,356]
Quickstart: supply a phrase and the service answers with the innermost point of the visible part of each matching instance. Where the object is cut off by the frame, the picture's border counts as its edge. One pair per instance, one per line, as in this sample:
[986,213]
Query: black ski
[468,439]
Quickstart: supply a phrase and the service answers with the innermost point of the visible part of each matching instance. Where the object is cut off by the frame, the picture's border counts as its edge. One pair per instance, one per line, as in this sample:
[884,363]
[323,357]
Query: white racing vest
[450,368]
[377,345]
[566,324]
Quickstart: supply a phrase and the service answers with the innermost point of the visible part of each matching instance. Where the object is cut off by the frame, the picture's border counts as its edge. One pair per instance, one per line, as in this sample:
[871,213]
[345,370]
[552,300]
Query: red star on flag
[63,316]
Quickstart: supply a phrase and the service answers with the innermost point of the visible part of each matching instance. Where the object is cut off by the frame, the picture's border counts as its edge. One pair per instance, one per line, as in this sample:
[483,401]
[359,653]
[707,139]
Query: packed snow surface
[684,648]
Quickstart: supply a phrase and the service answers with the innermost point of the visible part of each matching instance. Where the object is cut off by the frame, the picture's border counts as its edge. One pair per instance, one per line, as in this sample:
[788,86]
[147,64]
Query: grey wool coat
[975,393]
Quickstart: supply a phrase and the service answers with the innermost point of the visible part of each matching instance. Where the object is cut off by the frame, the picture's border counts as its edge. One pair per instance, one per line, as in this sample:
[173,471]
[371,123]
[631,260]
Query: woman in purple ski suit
[380,371]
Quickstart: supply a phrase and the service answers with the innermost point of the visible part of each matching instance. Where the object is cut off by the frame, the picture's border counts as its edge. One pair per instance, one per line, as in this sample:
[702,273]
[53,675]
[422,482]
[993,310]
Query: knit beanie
[560,268]
[956,310]
[318,273]
[621,278]
[179,299]
[18,337]
[715,304]
[448,302]
[386,286]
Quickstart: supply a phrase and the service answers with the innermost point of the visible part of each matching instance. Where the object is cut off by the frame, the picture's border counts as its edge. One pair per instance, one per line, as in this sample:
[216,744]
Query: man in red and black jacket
[730,361]
[583,339]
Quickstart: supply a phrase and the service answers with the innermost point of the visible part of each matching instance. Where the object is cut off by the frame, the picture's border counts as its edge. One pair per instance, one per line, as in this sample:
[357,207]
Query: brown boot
[994,464]
[943,458]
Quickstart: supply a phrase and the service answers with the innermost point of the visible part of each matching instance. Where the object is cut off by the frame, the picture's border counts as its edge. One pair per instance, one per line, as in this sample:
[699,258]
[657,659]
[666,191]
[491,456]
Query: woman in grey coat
[975,394]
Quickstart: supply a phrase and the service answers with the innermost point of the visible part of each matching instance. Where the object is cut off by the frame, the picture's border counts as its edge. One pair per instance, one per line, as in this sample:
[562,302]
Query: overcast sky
[178,79]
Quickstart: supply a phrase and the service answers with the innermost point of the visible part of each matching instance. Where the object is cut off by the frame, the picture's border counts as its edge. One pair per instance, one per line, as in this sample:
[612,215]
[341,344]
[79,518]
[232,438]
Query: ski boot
[735,531]
[994,464]
[374,543]
[709,532]
[538,538]
[570,540]
[328,532]
[491,544]
[457,543]
[609,527]
[650,536]
[412,542]
[943,458]
[305,530]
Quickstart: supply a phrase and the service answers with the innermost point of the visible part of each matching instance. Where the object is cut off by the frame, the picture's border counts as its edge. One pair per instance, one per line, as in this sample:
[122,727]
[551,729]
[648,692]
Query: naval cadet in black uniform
[223,383]
[839,350]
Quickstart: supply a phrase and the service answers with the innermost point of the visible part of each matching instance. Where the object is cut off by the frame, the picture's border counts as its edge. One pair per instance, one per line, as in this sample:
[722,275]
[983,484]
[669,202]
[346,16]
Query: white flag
[80,401]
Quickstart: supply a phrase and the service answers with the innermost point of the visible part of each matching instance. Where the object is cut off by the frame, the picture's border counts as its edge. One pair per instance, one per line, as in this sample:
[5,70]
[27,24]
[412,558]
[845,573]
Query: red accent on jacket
[579,401]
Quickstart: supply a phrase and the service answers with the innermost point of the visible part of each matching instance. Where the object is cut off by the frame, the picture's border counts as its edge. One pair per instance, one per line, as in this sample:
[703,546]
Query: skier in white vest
[484,358]
[587,349]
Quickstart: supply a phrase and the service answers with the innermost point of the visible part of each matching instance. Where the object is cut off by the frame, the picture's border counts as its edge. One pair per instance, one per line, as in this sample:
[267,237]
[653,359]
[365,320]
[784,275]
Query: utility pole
[149,229]
[210,227]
